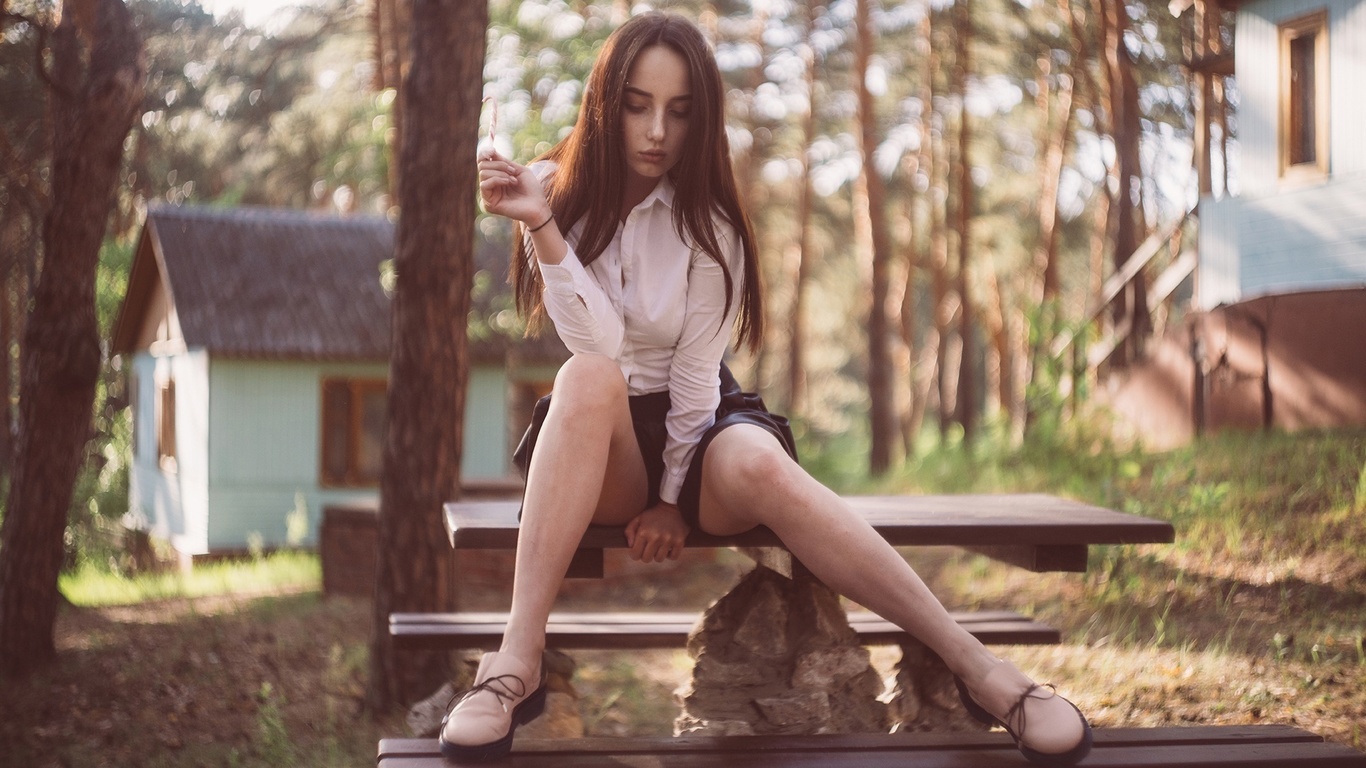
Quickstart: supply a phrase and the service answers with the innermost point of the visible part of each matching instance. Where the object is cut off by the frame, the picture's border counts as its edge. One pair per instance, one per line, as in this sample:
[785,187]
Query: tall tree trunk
[882,406]
[1132,305]
[390,23]
[967,382]
[796,363]
[1056,140]
[924,365]
[429,364]
[98,74]
[945,302]
[1000,359]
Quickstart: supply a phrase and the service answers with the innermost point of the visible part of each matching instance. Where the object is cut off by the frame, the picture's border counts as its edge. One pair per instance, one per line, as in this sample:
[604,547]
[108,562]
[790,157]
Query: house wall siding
[1303,239]
[1257,62]
[265,445]
[1303,235]
[171,501]
[264,449]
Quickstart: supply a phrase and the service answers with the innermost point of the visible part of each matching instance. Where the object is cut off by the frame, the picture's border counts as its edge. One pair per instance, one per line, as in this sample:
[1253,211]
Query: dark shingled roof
[273,283]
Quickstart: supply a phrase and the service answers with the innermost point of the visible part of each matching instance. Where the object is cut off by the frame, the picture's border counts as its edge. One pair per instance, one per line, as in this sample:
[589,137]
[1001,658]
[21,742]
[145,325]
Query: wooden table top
[1007,520]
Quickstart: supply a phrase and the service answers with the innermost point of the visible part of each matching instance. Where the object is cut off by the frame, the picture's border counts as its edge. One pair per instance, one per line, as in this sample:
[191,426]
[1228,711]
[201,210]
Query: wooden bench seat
[1175,747]
[670,630]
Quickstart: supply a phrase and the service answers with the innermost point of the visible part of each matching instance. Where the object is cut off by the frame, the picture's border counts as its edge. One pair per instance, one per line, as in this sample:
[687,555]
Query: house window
[1304,96]
[353,431]
[165,417]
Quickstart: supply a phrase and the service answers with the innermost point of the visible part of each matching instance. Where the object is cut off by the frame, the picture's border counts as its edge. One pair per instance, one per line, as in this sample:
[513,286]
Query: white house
[256,342]
[1298,221]
[1280,295]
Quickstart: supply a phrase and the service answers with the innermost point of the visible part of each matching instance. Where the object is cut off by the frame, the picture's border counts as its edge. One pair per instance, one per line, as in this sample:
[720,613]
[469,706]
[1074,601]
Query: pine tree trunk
[945,304]
[1056,140]
[1132,305]
[924,366]
[390,29]
[967,382]
[429,364]
[98,71]
[882,406]
[796,363]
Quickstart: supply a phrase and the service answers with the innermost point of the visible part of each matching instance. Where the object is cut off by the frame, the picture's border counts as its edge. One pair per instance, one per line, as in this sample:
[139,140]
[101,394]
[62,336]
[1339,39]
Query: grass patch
[92,586]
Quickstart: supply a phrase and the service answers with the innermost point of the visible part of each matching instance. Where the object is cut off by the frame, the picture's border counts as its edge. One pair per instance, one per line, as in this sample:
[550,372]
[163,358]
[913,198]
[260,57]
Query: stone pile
[777,656]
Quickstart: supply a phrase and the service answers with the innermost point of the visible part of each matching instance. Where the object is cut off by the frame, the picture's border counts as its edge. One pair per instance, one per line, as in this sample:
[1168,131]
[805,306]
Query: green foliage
[273,744]
[91,584]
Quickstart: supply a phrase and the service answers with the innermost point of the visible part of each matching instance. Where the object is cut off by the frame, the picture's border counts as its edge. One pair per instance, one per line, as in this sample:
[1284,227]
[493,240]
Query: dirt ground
[278,679]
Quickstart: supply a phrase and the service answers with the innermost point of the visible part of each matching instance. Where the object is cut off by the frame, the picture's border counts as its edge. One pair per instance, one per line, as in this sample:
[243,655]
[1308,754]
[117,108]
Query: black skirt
[647,415]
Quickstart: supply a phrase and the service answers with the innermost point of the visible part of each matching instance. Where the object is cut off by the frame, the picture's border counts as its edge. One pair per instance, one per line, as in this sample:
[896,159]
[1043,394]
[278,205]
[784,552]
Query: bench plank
[1179,747]
[671,630]
[1036,530]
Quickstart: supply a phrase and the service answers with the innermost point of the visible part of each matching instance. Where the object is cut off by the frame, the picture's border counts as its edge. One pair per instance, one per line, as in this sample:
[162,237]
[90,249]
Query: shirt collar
[662,193]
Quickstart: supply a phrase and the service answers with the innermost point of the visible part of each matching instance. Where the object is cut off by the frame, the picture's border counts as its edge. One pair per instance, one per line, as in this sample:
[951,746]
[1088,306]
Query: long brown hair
[589,181]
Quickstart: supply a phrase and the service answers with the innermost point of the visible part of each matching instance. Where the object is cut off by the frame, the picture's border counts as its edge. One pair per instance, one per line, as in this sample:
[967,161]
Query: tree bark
[1126,129]
[1056,140]
[98,73]
[945,304]
[924,365]
[796,363]
[882,405]
[429,364]
[390,22]
[967,381]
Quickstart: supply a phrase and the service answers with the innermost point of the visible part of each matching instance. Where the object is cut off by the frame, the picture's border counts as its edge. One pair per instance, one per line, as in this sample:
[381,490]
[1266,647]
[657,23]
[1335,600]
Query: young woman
[635,243]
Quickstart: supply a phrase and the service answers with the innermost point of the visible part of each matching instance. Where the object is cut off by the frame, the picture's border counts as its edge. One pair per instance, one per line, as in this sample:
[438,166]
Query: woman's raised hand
[511,190]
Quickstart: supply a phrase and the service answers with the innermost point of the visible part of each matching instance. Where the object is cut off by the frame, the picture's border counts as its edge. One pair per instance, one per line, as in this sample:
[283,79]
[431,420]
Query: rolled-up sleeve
[694,375]
[583,315]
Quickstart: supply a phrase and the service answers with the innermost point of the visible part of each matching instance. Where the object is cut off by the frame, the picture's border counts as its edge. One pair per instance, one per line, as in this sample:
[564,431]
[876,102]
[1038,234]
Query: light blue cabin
[1280,291]
[1298,220]
[256,344]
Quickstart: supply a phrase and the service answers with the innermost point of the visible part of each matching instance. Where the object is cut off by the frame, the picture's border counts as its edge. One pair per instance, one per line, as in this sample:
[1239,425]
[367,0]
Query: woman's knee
[754,466]
[589,381]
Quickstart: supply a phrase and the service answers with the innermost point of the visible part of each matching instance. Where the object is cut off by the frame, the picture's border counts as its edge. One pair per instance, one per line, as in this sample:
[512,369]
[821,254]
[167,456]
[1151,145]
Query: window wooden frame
[165,422]
[1313,25]
[356,391]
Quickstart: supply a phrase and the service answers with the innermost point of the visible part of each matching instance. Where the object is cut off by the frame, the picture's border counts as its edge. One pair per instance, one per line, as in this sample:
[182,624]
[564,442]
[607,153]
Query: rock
[800,709]
[424,717]
[710,670]
[778,655]
[923,696]
[827,667]
[560,721]
[687,726]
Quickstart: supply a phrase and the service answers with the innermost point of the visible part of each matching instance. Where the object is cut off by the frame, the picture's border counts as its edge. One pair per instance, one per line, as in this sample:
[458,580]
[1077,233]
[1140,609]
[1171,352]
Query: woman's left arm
[694,392]
[694,376]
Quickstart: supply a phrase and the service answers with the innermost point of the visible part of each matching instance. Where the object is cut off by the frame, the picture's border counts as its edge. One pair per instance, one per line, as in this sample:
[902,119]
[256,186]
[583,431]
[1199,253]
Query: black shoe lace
[498,686]
[1014,721]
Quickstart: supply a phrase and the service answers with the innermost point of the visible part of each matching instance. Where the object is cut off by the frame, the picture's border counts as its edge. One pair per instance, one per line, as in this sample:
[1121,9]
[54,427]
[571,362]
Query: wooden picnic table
[1034,531]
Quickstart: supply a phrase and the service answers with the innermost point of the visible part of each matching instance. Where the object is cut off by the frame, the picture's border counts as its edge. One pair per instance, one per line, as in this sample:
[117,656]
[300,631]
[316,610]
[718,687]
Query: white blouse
[658,308]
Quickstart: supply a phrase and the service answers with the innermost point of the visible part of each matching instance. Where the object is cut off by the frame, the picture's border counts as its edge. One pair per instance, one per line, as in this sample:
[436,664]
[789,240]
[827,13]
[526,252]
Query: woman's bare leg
[586,469]
[842,550]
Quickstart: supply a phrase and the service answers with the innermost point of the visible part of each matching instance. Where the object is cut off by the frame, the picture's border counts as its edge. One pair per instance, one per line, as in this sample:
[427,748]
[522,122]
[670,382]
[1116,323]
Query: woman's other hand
[511,190]
[657,534]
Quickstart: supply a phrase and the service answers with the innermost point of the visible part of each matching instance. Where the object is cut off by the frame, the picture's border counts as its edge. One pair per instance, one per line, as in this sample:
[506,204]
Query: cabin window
[353,431]
[1304,96]
[165,413]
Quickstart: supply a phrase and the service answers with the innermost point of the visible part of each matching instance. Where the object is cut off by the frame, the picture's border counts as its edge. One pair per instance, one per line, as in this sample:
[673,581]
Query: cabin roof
[284,284]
